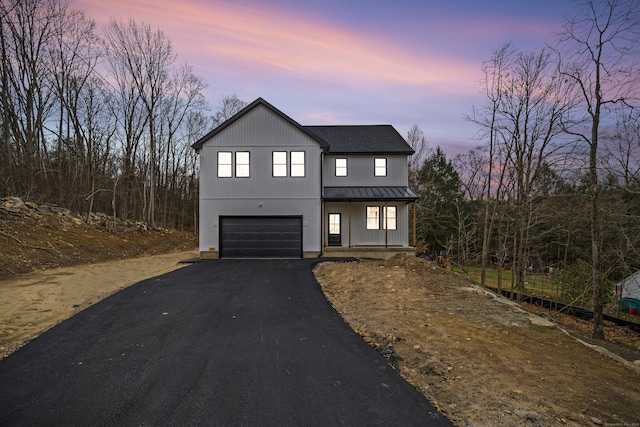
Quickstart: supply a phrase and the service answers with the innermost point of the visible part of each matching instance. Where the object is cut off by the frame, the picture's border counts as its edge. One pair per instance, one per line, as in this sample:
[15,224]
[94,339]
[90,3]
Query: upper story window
[380,167]
[297,163]
[224,164]
[389,218]
[341,167]
[279,163]
[242,164]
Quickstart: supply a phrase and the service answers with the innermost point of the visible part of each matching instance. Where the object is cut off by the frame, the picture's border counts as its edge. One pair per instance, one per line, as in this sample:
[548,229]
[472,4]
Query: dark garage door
[253,237]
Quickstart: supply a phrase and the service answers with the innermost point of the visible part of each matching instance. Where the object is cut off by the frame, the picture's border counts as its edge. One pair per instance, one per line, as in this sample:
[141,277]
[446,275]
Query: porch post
[415,208]
[386,228]
[349,219]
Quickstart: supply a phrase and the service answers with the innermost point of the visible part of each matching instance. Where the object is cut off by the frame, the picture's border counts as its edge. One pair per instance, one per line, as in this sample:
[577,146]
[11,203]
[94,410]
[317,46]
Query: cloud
[260,42]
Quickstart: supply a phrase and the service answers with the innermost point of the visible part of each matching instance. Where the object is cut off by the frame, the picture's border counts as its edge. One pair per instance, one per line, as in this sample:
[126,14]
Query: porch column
[349,219]
[386,228]
[415,208]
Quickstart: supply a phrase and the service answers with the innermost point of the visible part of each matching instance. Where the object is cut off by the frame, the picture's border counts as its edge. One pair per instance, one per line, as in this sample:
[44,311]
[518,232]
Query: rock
[13,203]
[31,205]
[596,421]
[76,221]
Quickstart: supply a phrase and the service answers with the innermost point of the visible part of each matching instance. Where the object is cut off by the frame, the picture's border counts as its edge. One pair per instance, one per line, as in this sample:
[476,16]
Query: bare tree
[495,72]
[418,142]
[228,106]
[147,55]
[532,109]
[624,148]
[73,58]
[28,28]
[598,52]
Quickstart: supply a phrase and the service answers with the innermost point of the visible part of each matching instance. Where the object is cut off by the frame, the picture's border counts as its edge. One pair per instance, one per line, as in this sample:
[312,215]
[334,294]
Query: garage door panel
[261,237]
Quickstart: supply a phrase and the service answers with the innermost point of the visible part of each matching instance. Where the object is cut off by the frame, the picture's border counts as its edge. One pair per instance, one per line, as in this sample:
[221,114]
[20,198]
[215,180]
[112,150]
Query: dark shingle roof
[370,193]
[363,139]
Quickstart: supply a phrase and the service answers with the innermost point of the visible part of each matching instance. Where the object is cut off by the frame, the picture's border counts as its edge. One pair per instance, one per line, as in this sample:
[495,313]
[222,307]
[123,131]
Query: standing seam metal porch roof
[369,193]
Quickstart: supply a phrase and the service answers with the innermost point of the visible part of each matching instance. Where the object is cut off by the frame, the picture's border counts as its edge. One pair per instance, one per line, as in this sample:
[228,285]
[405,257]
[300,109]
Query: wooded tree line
[102,120]
[98,119]
[556,179]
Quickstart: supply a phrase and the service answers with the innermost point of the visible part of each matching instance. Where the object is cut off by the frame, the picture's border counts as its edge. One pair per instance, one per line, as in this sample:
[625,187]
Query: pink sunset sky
[347,62]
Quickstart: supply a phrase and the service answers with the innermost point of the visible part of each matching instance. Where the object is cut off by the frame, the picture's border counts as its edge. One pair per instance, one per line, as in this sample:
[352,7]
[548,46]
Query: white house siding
[260,132]
[360,171]
[355,224]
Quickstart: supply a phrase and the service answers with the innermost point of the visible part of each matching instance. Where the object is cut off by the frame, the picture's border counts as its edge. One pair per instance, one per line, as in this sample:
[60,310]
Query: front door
[335,236]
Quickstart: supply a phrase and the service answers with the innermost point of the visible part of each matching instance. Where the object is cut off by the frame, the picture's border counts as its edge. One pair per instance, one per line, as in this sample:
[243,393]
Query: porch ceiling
[405,194]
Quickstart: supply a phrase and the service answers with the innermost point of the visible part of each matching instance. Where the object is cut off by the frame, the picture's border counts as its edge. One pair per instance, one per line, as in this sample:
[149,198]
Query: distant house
[270,187]
[629,291]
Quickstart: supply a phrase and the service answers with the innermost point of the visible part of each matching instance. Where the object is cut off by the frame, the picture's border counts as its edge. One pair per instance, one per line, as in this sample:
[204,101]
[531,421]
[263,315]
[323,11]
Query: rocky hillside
[34,237]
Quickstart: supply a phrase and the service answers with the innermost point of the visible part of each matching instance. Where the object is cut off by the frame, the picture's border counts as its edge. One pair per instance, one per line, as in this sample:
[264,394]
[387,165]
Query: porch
[372,252]
[367,222]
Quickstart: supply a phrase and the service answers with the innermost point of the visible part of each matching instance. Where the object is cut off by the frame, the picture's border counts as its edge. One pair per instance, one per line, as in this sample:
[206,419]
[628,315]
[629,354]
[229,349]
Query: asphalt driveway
[228,342]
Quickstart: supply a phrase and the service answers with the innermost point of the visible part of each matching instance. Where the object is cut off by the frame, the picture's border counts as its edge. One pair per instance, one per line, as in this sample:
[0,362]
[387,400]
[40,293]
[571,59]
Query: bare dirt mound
[36,237]
[481,359]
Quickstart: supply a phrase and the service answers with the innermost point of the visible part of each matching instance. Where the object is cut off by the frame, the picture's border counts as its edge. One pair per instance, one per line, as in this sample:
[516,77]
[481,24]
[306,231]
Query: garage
[261,237]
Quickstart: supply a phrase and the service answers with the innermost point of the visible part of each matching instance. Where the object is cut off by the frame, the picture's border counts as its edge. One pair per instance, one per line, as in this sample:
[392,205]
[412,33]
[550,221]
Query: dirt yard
[482,360]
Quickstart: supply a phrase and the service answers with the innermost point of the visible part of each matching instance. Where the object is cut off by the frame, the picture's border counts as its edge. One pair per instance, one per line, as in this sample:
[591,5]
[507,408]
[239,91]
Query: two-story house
[270,187]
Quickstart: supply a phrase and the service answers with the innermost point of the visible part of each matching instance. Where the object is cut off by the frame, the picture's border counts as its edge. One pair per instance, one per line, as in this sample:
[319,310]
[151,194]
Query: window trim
[377,218]
[248,164]
[376,168]
[274,164]
[291,164]
[345,167]
[332,225]
[230,164]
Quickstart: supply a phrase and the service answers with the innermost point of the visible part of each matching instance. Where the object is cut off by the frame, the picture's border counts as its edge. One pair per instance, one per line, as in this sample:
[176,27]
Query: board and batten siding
[360,171]
[357,224]
[260,132]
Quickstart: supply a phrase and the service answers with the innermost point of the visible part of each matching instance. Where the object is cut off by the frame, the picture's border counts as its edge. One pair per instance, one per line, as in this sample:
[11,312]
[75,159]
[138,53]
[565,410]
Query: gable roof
[362,139]
[359,139]
[199,143]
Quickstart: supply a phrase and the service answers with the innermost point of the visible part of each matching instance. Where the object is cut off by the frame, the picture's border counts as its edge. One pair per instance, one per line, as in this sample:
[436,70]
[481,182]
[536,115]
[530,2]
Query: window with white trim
[389,218]
[380,167]
[279,163]
[297,164]
[224,164]
[373,217]
[341,167]
[242,164]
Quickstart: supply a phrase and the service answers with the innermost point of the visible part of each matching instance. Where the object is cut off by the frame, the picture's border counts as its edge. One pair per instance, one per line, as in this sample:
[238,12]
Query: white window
[224,164]
[279,163]
[389,221]
[334,223]
[341,167]
[373,217]
[297,163]
[380,167]
[242,164]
